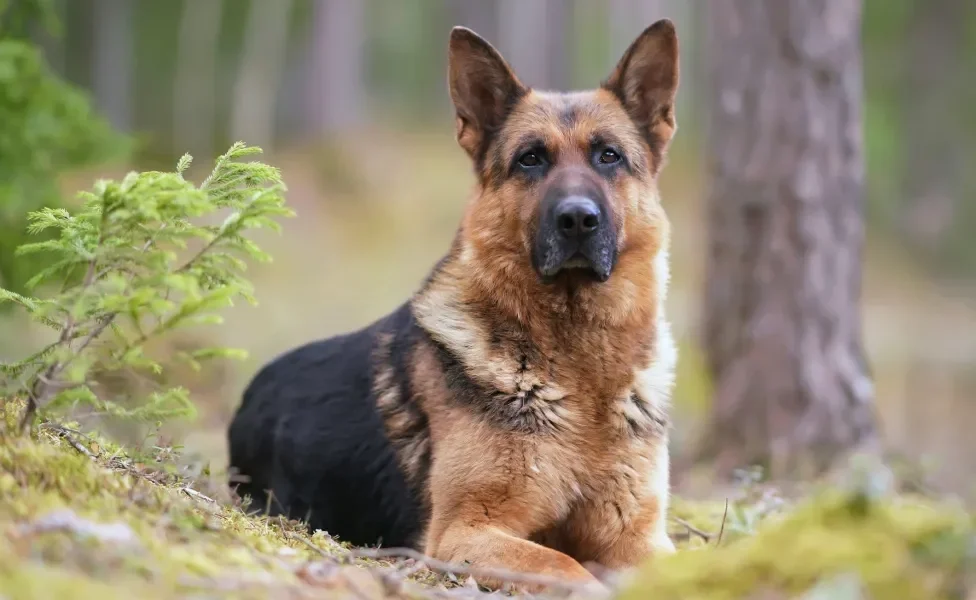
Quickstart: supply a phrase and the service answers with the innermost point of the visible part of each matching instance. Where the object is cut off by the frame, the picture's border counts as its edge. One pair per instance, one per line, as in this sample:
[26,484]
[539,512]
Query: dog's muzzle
[574,233]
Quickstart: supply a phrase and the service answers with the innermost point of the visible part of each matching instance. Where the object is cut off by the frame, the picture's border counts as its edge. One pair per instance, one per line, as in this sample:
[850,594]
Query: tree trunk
[477,15]
[936,160]
[532,36]
[793,390]
[628,18]
[336,91]
[253,115]
[112,68]
[195,86]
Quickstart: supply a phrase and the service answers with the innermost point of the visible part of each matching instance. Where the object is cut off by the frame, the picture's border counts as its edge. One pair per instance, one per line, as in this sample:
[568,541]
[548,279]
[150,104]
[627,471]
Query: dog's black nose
[577,216]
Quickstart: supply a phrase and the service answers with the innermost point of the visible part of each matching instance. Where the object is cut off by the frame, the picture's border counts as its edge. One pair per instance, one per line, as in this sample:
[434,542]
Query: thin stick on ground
[433,564]
[499,574]
[425,562]
[407,571]
[692,529]
[67,435]
[195,494]
[721,529]
[302,539]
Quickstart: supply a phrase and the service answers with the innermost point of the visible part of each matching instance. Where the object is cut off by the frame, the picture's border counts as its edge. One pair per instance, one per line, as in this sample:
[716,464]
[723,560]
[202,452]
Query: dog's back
[308,429]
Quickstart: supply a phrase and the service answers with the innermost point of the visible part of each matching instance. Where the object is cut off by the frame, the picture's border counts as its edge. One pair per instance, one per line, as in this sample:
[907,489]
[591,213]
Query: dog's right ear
[483,88]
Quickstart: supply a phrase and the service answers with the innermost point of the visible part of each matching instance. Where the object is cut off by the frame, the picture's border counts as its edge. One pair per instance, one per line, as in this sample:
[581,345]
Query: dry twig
[302,539]
[424,561]
[692,529]
[721,530]
[496,573]
[195,494]
[68,436]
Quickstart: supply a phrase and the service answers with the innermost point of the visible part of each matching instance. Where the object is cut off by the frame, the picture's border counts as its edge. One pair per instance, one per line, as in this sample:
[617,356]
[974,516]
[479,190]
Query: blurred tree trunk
[262,66]
[337,62]
[559,64]
[936,160]
[112,68]
[477,15]
[194,91]
[628,18]
[793,390]
[533,37]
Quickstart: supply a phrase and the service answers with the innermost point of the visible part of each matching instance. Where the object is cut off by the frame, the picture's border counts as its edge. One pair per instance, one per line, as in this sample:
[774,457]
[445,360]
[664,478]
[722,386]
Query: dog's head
[567,181]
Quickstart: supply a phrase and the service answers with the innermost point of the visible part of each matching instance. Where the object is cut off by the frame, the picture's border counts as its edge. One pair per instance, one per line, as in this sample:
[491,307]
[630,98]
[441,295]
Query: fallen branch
[195,494]
[67,435]
[692,529]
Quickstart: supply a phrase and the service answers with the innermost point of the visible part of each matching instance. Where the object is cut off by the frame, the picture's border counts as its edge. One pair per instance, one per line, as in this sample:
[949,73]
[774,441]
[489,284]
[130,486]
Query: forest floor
[83,518]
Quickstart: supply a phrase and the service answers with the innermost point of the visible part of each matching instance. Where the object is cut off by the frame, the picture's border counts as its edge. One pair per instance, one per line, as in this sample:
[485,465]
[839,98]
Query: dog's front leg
[644,537]
[484,545]
[627,523]
[486,502]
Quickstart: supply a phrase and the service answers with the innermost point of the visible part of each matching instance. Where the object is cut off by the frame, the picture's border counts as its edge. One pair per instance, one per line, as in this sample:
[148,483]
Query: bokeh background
[349,99]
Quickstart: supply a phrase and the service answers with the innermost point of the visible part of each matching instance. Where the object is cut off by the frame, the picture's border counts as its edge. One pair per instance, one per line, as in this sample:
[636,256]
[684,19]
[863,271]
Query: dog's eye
[529,160]
[608,157]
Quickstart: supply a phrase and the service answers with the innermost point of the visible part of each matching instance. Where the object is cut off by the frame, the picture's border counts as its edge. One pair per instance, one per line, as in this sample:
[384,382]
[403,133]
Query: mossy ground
[82,518]
[169,539]
[840,543]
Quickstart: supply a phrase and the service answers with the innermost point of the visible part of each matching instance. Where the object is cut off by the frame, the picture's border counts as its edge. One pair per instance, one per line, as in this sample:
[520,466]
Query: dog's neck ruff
[519,379]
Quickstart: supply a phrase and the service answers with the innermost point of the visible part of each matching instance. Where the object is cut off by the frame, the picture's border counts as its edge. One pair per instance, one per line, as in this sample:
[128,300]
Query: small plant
[133,263]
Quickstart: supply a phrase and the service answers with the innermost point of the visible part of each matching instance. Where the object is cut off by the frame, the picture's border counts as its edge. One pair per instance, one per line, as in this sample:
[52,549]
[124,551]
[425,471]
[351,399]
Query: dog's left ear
[646,81]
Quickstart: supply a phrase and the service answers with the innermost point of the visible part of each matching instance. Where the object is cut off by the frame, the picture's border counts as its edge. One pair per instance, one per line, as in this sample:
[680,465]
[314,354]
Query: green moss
[180,540]
[29,581]
[899,547]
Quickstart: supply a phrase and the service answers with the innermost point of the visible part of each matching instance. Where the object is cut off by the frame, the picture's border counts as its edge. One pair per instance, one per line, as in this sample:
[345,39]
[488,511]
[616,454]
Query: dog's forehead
[572,118]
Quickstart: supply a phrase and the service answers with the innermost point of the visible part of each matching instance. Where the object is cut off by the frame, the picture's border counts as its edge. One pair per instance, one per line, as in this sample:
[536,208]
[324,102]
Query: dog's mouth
[578,267]
[577,262]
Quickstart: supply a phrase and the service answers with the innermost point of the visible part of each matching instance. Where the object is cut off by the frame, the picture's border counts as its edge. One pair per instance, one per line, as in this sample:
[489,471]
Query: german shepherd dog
[513,412]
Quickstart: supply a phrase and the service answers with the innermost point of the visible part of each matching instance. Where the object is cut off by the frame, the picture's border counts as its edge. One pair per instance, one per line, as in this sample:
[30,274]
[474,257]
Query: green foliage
[49,127]
[138,266]
[17,16]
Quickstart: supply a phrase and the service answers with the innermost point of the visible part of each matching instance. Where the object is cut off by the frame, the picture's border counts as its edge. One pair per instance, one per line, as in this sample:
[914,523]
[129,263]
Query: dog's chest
[566,412]
[574,428]
[530,391]
[572,471]
[584,443]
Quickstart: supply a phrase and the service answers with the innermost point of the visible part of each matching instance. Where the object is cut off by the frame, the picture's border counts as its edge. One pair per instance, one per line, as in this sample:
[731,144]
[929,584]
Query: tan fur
[594,362]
